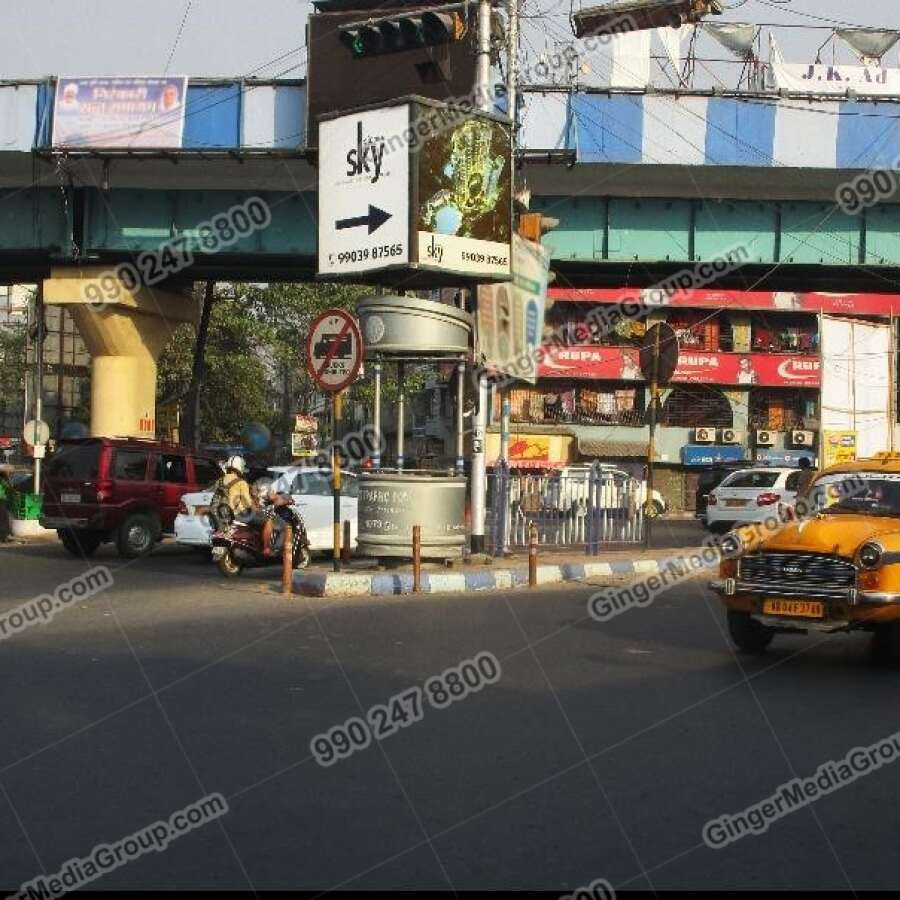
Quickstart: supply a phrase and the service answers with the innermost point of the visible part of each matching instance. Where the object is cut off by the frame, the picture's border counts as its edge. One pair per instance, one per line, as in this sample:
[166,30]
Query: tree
[12,376]
[237,384]
[255,358]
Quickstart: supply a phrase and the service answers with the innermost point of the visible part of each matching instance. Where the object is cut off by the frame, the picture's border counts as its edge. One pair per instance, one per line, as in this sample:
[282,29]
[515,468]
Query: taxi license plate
[800,609]
[70,498]
[735,502]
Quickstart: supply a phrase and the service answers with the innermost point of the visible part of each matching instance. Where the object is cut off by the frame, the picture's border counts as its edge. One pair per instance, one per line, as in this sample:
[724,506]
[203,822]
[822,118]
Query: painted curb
[385,584]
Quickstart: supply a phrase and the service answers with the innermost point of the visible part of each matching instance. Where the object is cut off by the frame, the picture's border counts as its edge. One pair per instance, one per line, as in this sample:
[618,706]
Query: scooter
[239,545]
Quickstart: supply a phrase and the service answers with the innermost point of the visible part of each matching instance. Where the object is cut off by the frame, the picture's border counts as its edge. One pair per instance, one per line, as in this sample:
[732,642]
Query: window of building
[579,403]
[784,333]
[693,406]
[781,410]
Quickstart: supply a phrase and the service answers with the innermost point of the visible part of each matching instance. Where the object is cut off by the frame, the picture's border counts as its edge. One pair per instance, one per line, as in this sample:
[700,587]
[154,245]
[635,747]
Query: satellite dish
[870,43]
[737,37]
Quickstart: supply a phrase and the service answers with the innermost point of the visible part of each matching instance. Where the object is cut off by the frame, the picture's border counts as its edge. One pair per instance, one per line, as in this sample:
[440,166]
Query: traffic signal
[533,226]
[375,55]
[638,15]
[403,31]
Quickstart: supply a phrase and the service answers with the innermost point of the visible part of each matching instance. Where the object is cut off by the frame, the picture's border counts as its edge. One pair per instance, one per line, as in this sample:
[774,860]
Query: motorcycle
[238,545]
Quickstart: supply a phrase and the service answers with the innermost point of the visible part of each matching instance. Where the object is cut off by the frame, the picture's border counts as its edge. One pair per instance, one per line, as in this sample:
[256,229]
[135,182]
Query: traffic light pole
[478,481]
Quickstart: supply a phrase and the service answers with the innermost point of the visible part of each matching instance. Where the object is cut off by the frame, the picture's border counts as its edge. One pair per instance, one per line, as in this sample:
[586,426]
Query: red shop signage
[784,301]
[694,367]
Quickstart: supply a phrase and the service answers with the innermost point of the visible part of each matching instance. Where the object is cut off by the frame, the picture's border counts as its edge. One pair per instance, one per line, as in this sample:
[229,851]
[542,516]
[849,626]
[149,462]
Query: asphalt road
[601,751]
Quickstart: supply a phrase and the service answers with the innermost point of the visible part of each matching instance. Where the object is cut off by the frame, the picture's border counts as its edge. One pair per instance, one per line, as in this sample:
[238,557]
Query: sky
[265,38]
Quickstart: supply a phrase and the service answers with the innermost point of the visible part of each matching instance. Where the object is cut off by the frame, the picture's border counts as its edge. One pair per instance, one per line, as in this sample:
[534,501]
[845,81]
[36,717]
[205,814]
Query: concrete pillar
[125,333]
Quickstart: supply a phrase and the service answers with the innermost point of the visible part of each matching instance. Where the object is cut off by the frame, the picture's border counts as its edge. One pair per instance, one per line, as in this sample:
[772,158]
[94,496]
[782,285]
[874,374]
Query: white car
[572,489]
[751,495]
[311,490]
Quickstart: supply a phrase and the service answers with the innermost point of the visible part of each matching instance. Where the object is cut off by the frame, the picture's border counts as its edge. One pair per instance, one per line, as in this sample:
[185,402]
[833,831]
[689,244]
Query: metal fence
[588,508]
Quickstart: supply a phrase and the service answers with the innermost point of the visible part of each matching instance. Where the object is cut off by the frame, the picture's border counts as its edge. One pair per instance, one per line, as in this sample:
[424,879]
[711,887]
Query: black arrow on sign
[375,219]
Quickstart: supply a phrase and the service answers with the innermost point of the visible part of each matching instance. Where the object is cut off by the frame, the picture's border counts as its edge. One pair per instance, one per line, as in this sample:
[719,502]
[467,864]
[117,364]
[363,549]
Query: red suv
[119,489]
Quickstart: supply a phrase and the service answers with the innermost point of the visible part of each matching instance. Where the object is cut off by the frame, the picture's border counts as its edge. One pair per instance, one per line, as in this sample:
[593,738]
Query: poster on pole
[511,316]
[109,113]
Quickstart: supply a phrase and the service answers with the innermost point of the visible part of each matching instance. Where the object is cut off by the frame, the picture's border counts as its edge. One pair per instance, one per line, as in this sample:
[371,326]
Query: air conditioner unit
[803,438]
[705,435]
[764,438]
[731,436]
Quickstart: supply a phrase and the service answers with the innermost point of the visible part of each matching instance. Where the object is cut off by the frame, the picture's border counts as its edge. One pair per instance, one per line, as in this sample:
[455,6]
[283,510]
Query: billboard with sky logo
[416,194]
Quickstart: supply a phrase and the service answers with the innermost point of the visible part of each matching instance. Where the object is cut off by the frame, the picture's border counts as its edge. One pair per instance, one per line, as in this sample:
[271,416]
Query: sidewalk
[361,578]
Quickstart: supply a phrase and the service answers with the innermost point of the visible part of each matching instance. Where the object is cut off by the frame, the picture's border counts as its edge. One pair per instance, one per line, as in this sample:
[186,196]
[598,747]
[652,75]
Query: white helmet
[237,463]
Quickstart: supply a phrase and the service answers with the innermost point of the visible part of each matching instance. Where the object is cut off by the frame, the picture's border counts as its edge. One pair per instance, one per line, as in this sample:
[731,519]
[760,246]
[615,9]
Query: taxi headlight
[870,555]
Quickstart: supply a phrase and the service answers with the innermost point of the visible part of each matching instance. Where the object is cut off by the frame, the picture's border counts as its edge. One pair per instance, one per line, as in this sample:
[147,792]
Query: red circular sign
[334,350]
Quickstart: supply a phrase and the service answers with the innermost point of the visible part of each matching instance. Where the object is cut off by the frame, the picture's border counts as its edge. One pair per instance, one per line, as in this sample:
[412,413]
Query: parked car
[311,490]
[571,489]
[710,479]
[834,571]
[750,495]
[125,490]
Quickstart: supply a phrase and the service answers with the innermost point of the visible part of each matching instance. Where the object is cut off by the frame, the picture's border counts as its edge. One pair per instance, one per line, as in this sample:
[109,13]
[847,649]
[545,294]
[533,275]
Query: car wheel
[229,566]
[749,635]
[79,541]
[137,535]
[886,643]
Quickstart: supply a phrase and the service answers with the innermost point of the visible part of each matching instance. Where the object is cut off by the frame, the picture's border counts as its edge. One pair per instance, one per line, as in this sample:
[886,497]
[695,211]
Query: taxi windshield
[869,493]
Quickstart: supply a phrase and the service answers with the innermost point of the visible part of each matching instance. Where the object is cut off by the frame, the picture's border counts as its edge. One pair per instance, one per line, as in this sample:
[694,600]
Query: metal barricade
[588,509]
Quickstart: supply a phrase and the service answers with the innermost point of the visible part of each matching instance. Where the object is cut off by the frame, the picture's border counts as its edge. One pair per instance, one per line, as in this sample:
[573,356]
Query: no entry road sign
[334,350]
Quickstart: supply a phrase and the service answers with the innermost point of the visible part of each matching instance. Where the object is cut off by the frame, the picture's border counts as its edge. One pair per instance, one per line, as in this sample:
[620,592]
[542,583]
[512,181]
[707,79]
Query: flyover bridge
[644,183]
[656,178]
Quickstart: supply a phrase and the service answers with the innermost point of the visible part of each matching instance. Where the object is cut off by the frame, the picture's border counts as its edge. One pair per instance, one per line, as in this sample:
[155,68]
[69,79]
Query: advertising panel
[820,78]
[694,367]
[110,112]
[511,316]
[415,195]
[838,447]
[463,214]
[785,301]
[363,192]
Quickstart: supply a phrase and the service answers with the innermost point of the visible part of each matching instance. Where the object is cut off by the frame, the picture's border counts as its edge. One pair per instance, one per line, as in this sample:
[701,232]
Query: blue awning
[702,455]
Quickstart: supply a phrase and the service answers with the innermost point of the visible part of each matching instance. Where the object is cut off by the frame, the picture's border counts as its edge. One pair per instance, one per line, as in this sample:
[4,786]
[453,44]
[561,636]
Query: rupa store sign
[415,194]
[694,367]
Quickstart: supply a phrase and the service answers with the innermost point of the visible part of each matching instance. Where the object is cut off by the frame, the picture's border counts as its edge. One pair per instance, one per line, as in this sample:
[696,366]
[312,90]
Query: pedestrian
[807,474]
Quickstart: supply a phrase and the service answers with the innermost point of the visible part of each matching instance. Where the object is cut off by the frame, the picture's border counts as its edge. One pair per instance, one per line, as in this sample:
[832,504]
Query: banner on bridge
[110,113]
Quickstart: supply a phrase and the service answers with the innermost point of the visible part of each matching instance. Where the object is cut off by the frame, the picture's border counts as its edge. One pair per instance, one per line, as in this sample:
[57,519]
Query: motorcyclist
[272,501]
[231,497]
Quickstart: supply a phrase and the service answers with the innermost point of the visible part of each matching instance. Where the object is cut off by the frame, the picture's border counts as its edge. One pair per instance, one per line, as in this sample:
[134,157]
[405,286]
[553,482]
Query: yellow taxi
[831,564]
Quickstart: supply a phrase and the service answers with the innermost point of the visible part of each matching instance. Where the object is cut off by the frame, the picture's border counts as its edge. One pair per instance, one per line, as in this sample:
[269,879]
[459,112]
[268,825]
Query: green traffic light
[357,47]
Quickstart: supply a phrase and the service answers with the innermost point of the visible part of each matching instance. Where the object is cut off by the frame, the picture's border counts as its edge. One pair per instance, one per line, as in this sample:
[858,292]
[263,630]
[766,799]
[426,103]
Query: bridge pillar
[124,332]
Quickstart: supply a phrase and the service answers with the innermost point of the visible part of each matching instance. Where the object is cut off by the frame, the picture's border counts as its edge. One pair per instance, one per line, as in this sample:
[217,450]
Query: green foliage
[12,371]
[256,341]
[236,388]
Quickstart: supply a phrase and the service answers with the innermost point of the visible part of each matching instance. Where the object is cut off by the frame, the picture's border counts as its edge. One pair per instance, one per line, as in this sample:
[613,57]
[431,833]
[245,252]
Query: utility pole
[478,480]
[39,375]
